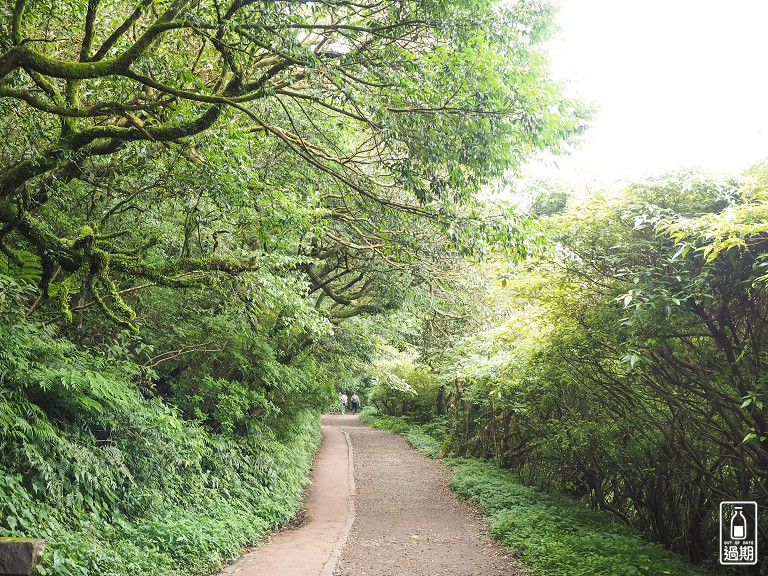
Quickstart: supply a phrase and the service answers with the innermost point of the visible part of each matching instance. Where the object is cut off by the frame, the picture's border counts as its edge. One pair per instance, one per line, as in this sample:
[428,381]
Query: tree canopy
[217,214]
[360,116]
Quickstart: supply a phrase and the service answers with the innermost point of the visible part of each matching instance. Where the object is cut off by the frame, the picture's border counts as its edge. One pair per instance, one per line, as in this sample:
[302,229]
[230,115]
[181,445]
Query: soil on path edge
[395,517]
[306,546]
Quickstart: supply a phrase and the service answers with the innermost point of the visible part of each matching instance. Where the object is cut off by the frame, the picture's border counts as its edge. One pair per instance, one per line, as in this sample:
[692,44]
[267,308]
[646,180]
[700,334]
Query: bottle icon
[738,525]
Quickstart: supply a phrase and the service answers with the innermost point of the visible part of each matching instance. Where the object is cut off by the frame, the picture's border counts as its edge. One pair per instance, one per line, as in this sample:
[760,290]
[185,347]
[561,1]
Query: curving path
[395,516]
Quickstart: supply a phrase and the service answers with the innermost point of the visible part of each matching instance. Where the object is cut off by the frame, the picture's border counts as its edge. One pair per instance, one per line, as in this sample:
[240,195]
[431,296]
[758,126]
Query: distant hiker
[343,402]
[355,402]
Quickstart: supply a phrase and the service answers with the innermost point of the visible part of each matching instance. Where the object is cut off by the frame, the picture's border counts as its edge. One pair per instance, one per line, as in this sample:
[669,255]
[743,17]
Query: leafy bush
[391,423]
[117,482]
[405,388]
[369,415]
[626,363]
[201,520]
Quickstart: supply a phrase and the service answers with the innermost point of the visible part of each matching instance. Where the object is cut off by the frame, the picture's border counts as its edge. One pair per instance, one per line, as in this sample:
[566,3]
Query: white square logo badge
[738,533]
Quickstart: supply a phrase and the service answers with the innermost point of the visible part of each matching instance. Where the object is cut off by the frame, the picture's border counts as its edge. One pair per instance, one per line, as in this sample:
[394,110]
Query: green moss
[8,212]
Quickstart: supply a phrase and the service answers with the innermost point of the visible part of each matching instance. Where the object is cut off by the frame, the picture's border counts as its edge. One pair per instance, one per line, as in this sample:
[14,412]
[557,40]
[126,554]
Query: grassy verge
[202,519]
[554,535]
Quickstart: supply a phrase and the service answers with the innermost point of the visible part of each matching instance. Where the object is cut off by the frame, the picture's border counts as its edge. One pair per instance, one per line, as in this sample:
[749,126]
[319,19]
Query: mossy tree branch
[91,88]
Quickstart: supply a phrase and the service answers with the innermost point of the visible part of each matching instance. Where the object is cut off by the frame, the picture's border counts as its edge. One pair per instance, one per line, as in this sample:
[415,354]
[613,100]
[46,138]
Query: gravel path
[408,522]
[390,513]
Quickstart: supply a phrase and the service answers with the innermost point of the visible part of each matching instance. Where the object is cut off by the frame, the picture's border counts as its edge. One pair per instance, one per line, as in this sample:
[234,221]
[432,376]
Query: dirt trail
[306,549]
[409,523]
[395,517]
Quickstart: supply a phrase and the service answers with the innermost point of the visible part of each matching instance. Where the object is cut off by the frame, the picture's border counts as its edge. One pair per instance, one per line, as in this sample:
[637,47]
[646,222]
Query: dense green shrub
[625,363]
[405,388]
[119,483]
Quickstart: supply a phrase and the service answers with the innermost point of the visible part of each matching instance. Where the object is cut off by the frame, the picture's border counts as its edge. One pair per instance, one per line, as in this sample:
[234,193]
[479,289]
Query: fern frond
[21,265]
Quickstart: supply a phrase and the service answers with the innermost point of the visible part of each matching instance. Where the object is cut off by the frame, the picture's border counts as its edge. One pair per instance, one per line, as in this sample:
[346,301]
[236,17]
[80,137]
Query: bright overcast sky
[677,83]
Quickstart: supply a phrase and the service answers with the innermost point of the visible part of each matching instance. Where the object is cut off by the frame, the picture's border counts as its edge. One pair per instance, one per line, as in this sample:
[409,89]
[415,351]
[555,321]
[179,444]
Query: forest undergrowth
[120,483]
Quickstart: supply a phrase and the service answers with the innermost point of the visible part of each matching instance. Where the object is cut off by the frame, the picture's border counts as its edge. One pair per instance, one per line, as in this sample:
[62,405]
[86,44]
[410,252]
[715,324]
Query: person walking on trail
[343,402]
[355,402]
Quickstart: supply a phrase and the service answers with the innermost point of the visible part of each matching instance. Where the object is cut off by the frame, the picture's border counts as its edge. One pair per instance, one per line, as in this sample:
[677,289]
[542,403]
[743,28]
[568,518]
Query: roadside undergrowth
[121,476]
[200,521]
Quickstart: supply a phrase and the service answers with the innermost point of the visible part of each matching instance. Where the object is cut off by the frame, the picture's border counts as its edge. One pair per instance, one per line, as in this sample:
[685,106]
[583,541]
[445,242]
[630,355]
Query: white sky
[677,83]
